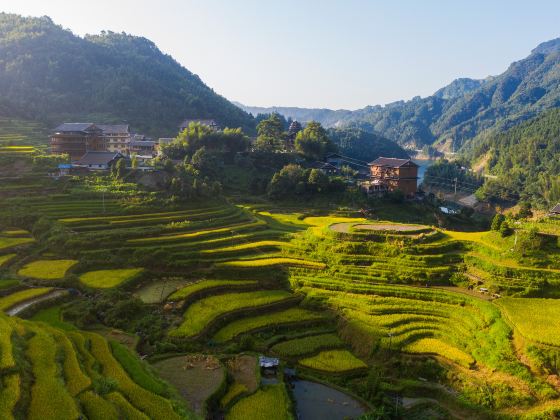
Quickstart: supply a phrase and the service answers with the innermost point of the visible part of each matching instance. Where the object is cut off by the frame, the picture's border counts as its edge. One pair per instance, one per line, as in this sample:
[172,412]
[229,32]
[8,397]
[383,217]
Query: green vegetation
[47,269]
[333,361]
[205,285]
[267,262]
[307,345]
[179,92]
[11,242]
[53,317]
[18,297]
[106,279]
[201,313]
[4,259]
[363,145]
[7,284]
[294,181]
[153,405]
[435,346]
[523,160]
[137,370]
[49,397]
[245,325]
[270,403]
[534,318]
[233,392]
[9,395]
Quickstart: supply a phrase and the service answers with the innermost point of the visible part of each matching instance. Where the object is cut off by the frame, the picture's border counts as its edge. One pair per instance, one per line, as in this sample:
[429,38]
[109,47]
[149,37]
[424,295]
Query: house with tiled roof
[391,174]
[100,161]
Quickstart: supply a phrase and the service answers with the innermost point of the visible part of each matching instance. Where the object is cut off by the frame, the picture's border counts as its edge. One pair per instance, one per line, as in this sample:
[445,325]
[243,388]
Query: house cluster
[99,146]
[77,139]
[378,177]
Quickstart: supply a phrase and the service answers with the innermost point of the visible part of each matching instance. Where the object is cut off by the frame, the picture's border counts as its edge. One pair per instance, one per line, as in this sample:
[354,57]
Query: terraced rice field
[5,259]
[270,403]
[536,319]
[7,242]
[107,279]
[201,313]
[64,390]
[210,285]
[20,133]
[281,257]
[47,269]
[7,302]
[333,361]
[307,345]
[269,320]
[440,348]
[272,262]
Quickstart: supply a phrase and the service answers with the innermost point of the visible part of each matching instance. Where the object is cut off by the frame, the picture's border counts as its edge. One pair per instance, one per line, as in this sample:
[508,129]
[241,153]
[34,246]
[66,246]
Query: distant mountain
[363,145]
[327,117]
[48,73]
[458,112]
[458,88]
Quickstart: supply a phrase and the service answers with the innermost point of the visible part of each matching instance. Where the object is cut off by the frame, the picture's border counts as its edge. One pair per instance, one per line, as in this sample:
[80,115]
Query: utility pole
[455,186]
[103,199]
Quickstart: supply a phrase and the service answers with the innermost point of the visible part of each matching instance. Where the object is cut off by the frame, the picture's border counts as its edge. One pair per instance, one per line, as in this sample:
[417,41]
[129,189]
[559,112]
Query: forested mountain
[48,73]
[524,159]
[363,145]
[460,111]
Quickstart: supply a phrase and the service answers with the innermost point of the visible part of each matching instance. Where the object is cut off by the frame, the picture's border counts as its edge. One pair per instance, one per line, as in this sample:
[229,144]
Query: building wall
[403,178]
[75,146]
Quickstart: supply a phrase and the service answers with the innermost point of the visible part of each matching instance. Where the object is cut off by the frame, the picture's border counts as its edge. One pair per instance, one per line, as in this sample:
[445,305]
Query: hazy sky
[321,53]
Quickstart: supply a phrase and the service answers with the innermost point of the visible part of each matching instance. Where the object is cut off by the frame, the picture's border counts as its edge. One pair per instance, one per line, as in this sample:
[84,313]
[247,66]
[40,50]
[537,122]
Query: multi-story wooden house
[117,137]
[75,139]
[390,174]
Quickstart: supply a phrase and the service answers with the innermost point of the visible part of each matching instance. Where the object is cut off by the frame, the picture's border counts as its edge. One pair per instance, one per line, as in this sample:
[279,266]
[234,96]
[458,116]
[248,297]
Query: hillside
[524,159]
[202,288]
[461,110]
[49,74]
[364,145]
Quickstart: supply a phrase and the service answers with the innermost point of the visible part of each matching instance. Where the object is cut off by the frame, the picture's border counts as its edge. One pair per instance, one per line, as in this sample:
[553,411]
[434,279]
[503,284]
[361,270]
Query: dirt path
[20,307]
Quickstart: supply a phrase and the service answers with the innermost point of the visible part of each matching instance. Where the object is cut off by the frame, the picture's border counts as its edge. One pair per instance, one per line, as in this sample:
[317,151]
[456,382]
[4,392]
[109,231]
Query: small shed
[98,160]
[268,362]
[555,211]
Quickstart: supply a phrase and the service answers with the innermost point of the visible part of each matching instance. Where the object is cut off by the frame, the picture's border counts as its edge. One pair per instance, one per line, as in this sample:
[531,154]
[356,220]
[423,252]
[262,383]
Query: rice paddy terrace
[342,299]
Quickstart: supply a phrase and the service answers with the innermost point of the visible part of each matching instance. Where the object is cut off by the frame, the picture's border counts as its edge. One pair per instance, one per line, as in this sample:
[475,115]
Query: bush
[497,222]
[505,229]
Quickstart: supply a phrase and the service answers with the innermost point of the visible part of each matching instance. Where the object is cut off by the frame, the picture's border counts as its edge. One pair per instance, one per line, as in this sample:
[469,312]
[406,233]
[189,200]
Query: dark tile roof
[322,165]
[97,158]
[146,143]
[113,129]
[390,162]
[72,127]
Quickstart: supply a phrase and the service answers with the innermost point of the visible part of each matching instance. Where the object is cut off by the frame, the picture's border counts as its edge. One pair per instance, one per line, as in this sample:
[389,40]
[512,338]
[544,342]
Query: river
[423,164]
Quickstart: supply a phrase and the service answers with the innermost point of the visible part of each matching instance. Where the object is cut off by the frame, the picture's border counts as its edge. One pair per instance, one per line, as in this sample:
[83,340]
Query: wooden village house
[391,174]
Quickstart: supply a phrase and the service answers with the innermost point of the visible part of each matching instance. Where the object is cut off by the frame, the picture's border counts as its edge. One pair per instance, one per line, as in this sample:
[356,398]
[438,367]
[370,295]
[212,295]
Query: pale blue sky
[329,53]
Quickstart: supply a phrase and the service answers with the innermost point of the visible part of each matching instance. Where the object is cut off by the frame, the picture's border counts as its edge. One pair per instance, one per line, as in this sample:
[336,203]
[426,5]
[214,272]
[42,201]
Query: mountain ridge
[458,112]
[49,74]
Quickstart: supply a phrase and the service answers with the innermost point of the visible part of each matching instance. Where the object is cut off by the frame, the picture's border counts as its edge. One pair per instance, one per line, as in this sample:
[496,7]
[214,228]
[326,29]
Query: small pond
[315,401]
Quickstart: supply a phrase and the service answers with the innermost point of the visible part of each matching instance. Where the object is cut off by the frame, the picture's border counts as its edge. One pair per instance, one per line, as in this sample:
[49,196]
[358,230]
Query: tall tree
[313,141]
[270,134]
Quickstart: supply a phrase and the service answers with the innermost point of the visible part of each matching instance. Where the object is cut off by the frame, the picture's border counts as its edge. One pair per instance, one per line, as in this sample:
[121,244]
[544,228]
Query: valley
[168,254]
